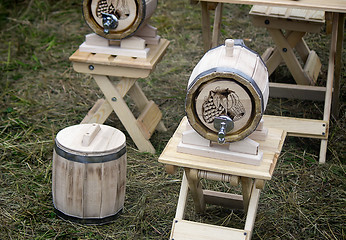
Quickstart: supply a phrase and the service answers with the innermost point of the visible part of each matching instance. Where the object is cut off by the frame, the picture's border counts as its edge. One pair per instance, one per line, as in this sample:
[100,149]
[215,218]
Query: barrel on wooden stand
[117,19]
[89,173]
[227,93]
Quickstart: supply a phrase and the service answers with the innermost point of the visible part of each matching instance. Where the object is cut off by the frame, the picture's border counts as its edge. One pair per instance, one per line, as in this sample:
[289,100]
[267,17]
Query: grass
[41,94]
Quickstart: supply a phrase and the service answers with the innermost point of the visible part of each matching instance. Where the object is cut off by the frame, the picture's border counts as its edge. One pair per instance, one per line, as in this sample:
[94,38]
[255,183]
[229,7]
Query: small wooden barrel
[230,80]
[89,173]
[117,19]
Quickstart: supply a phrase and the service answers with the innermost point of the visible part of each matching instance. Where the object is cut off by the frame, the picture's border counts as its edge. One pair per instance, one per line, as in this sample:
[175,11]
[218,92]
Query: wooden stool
[296,23]
[252,179]
[129,69]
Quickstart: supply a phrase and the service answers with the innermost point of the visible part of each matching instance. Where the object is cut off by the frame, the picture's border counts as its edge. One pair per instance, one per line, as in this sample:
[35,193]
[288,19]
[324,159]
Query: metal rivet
[323,133]
[266,21]
[91,67]
[114,99]
[323,124]
[176,221]
[284,49]
[244,233]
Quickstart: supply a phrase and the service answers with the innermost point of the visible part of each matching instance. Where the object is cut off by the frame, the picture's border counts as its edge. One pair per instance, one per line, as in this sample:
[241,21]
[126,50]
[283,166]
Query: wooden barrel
[89,173]
[230,80]
[117,19]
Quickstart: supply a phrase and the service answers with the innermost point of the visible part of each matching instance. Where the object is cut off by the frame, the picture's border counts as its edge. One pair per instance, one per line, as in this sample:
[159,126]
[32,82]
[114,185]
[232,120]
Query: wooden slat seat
[287,27]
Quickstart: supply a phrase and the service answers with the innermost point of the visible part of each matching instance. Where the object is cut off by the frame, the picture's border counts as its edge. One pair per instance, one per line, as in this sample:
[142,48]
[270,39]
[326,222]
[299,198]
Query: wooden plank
[298,127]
[107,70]
[289,57]
[338,65]
[228,200]
[264,171]
[187,230]
[313,66]
[205,26]
[179,214]
[293,91]
[141,101]
[92,191]
[247,185]
[98,113]
[283,23]
[148,119]
[217,25]
[126,117]
[329,86]
[332,5]
[293,38]
[252,210]
[154,56]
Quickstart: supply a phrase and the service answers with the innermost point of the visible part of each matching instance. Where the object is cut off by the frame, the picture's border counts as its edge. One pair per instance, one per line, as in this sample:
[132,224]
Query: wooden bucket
[115,19]
[230,80]
[89,173]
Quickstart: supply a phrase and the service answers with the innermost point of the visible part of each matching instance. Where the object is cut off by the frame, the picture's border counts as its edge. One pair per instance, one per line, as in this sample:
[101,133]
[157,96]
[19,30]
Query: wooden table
[128,70]
[338,10]
[252,179]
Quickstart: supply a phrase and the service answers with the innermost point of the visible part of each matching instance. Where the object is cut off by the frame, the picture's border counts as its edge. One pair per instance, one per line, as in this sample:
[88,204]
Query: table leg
[124,114]
[329,86]
[247,187]
[141,101]
[184,188]
[289,57]
[338,56]
[196,189]
[205,26]
[217,25]
[252,210]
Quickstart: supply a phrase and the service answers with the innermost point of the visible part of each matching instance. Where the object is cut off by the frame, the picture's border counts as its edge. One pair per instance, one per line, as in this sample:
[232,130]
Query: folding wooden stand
[328,94]
[251,178]
[129,69]
[287,27]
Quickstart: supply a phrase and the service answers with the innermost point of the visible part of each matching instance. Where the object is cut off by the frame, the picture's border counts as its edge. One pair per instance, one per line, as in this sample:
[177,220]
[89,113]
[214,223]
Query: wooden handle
[89,136]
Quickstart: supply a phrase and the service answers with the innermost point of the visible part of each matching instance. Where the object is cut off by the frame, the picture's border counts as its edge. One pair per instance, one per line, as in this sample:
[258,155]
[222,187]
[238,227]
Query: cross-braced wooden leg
[141,101]
[115,99]
[286,52]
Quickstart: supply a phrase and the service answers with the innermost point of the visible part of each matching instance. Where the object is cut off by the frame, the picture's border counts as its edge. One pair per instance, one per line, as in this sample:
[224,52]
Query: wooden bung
[117,20]
[229,81]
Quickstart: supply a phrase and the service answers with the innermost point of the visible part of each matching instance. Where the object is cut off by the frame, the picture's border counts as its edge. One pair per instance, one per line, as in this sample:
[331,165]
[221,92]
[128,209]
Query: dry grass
[41,94]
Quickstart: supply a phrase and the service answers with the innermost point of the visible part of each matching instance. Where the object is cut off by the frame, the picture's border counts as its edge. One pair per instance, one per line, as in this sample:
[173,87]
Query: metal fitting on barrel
[223,124]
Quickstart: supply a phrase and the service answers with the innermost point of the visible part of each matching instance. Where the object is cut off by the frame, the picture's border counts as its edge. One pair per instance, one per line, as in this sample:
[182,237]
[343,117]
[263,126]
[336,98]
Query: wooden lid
[90,139]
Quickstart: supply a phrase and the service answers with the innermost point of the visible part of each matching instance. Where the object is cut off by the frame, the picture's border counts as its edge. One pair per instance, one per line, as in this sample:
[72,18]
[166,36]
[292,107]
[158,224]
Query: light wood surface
[299,127]
[332,5]
[119,66]
[89,190]
[271,149]
[187,230]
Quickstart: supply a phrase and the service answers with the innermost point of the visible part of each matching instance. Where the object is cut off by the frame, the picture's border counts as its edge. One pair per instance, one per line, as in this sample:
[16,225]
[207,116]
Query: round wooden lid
[95,139]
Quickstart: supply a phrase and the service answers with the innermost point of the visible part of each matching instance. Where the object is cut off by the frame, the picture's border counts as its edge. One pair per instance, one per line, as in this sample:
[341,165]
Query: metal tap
[109,22]
[223,124]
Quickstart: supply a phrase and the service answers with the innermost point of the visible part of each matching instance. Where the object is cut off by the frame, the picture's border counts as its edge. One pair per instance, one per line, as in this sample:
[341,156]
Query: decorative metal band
[88,221]
[233,71]
[89,159]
